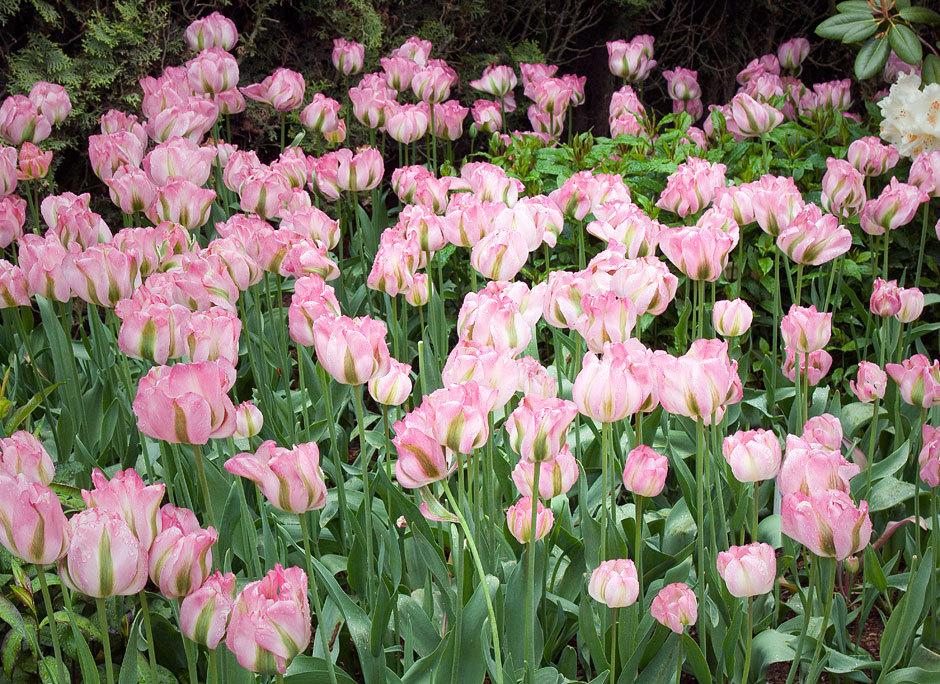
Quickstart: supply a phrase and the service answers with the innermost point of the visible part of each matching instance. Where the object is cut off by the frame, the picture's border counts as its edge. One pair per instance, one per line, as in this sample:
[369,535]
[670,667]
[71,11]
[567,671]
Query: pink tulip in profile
[104,557]
[8,170]
[204,612]
[321,115]
[393,388]
[270,621]
[212,71]
[556,475]
[20,121]
[632,61]
[131,190]
[486,365]
[32,524]
[432,84]
[348,56]
[213,30]
[421,460]
[291,479]
[126,496]
[398,72]
[700,383]
[13,286]
[701,252]
[754,455]
[644,471]
[179,158]
[362,171]
[519,520]
[753,118]
[182,202]
[912,304]
[871,157]
[51,100]
[152,330]
[283,90]
[691,187]
[918,380]
[352,350]
[925,172]
[870,382]
[605,318]
[34,163]
[749,570]
[813,366]
[614,583]
[805,329]
[894,207]
[248,420]
[929,458]
[497,80]
[12,219]
[792,53]
[22,454]
[813,238]
[885,298]
[186,403]
[810,467]
[732,318]
[827,522]
[824,431]
[459,415]
[500,254]
[776,202]
[181,555]
[675,607]
[538,428]
[843,189]
[609,388]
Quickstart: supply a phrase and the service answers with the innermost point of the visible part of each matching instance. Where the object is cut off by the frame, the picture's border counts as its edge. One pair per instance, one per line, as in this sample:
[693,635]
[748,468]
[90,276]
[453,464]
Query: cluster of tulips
[174,291]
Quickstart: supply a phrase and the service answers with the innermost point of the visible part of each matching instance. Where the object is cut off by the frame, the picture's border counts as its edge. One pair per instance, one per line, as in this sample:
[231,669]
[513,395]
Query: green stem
[317,604]
[148,628]
[105,640]
[613,646]
[679,663]
[887,241]
[530,578]
[826,612]
[750,638]
[638,542]
[366,491]
[605,437]
[700,529]
[212,675]
[871,443]
[53,627]
[923,242]
[776,327]
[807,614]
[203,483]
[494,628]
[338,476]
[756,521]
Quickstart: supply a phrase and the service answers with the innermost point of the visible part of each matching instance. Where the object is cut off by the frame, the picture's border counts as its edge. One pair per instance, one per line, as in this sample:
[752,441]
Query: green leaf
[854,6]
[905,617]
[837,26]
[696,659]
[905,44]
[769,647]
[889,492]
[856,33]
[930,72]
[919,15]
[871,58]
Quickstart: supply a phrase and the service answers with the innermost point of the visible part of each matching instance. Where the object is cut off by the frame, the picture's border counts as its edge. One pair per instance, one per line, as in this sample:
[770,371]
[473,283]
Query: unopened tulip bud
[519,520]
[732,318]
[393,388]
[614,583]
[248,420]
[644,471]
[675,607]
[204,613]
[749,570]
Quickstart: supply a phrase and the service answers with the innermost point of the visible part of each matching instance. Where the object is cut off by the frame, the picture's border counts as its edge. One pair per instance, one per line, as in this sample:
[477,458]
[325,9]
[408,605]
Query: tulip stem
[50,615]
[317,604]
[338,476]
[148,628]
[604,487]
[923,241]
[807,614]
[776,329]
[494,628]
[830,592]
[750,639]
[679,662]
[203,483]
[613,646]
[871,443]
[638,542]
[105,640]
[366,491]
[756,516]
[700,529]
[212,674]
[530,578]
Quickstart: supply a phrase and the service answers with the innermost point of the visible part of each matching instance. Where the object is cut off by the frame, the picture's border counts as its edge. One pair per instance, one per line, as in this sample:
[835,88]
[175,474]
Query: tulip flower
[204,613]
[753,118]
[557,475]
[691,187]
[871,157]
[675,607]
[792,53]
[487,366]
[500,255]
[749,570]
[912,304]
[352,350]
[283,90]
[362,171]
[824,431]
[104,557]
[291,479]
[809,467]
[421,460]
[870,382]
[497,80]
[885,298]
[814,239]
[700,383]
[929,457]
[519,520]
[22,454]
[32,524]
[918,380]
[538,428]
[632,61]
[776,202]
[925,172]
[843,189]
[181,555]
[214,30]
[754,455]
[813,366]
[805,329]
[827,522]
[270,621]
[644,471]
[248,420]
[894,207]
[321,115]
[398,72]
[605,319]
[614,583]
[459,415]
[126,496]
[348,56]
[20,121]
[732,318]
[51,100]
[611,388]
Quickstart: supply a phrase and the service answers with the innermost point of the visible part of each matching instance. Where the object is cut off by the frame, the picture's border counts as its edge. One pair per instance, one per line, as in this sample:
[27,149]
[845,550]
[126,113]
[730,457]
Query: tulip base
[148,629]
[50,613]
[105,640]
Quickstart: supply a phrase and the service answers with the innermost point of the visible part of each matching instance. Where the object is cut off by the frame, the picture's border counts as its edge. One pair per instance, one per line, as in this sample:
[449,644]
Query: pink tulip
[494,320]
[632,60]
[186,403]
[352,350]
[179,158]
[753,118]
[12,219]
[534,379]
[243,270]
[393,388]
[212,335]
[809,467]
[114,120]
[767,64]
[192,119]
[614,583]
[42,261]
[732,318]
[362,171]
[182,202]
[485,365]
[682,84]
[312,299]
[675,607]
[8,170]
[214,30]
[406,123]
[701,252]
[487,116]
[212,71]
[262,191]
[14,290]
[500,255]
[605,318]
[51,100]
[283,90]
[827,522]
[925,172]
[929,457]
[448,119]
[101,275]
[813,238]
[32,524]
[792,53]
[348,56]
[644,471]
[918,380]
[369,105]
[126,496]
[912,304]
[166,91]
[813,366]
[414,48]
[421,459]
[497,80]
[104,557]
[459,415]
[870,382]
[843,188]
[34,163]
[321,115]
[204,612]
[108,152]
[519,520]
[647,282]
[432,84]
[248,420]
[691,187]
[22,454]
[270,622]
[749,570]
[885,298]
[151,330]
[806,330]
[20,121]
[871,157]
[824,431]
[776,202]
[612,387]
[538,428]
[291,479]
[181,555]
[894,207]
[753,455]
[131,189]
[238,167]
[835,95]
[699,384]
[556,475]
[398,72]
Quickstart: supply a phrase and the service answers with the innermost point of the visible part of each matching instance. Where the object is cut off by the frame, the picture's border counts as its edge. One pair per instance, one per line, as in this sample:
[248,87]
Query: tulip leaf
[128,674]
[769,647]
[906,616]
[306,669]
[905,44]
[661,669]
[889,492]
[871,58]
[696,659]
[910,675]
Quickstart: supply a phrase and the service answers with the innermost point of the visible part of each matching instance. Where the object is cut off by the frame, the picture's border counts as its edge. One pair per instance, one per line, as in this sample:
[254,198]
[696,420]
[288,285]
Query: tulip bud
[22,454]
[34,527]
[556,476]
[749,570]
[929,458]
[870,382]
[519,520]
[918,380]
[753,455]
[614,583]
[204,613]
[181,555]
[644,471]
[732,318]
[912,304]
[248,420]
[675,607]
[104,557]
[805,329]
[393,388]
